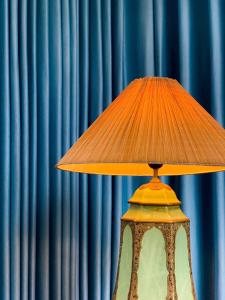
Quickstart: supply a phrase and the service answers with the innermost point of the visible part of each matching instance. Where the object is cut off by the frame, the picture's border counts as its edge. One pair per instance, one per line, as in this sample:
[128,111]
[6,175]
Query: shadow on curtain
[61,64]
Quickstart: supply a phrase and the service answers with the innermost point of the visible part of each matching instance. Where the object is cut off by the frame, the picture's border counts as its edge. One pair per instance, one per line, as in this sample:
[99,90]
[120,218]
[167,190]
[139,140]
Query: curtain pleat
[43,153]
[15,153]
[56,146]
[61,64]
[66,106]
[5,152]
[24,160]
[32,108]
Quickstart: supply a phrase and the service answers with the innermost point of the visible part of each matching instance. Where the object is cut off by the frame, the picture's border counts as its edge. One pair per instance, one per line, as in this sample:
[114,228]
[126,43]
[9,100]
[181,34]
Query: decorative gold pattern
[123,225]
[187,228]
[169,231]
[138,232]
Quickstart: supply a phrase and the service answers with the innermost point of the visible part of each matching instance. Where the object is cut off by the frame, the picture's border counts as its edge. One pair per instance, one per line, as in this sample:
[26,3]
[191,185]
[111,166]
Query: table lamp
[153,128]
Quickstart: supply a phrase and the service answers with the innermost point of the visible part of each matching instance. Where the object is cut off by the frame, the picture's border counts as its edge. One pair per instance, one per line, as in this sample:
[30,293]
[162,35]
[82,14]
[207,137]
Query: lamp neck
[155,173]
[155,168]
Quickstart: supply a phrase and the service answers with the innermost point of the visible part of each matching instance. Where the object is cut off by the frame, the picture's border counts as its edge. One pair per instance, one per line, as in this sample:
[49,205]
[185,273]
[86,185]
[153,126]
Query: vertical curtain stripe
[5,152]
[24,161]
[56,145]
[32,106]
[42,245]
[15,153]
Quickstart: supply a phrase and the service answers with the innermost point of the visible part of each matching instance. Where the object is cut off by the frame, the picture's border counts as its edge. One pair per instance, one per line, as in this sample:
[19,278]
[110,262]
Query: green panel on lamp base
[152,272]
[182,266]
[125,266]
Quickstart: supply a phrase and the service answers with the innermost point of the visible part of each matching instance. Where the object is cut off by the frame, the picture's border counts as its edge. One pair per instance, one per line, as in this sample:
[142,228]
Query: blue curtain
[61,64]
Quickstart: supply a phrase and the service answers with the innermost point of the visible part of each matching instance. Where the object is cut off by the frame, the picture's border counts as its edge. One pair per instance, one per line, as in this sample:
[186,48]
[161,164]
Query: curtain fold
[61,64]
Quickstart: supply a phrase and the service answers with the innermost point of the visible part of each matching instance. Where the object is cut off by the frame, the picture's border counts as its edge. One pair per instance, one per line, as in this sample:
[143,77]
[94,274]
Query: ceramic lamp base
[155,259]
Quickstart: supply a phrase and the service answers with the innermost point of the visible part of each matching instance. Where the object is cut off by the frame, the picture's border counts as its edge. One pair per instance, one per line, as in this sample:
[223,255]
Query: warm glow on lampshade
[154,120]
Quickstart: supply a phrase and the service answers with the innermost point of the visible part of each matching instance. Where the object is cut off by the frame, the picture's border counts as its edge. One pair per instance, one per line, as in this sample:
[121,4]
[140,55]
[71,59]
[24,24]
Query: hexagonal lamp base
[155,259]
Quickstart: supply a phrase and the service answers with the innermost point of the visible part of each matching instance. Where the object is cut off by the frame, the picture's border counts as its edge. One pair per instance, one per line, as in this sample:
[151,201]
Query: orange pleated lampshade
[153,121]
